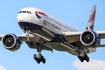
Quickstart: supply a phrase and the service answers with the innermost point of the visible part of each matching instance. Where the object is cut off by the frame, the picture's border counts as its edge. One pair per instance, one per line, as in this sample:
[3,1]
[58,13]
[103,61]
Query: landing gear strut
[39,58]
[82,58]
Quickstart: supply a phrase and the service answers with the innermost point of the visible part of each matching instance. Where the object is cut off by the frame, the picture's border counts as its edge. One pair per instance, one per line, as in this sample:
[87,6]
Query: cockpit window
[29,12]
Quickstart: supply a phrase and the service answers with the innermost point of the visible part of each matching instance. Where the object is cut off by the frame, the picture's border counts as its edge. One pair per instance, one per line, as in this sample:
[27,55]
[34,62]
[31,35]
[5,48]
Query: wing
[32,39]
[75,36]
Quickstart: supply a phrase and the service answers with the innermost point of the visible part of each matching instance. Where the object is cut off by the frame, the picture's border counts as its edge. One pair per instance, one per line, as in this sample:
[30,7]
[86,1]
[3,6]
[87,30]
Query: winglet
[90,24]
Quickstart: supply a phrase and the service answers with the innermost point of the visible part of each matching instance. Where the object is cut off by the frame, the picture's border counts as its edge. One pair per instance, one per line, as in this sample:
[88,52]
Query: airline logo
[90,25]
[39,14]
[92,17]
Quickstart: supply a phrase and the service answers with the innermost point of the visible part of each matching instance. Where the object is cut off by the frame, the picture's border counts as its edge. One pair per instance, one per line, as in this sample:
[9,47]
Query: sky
[73,12]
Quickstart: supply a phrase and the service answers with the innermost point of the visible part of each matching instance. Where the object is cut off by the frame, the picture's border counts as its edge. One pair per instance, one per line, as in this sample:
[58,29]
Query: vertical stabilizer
[90,24]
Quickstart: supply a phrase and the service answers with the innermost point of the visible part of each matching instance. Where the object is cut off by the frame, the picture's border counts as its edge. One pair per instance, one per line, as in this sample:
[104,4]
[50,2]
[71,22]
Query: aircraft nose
[24,18]
[20,18]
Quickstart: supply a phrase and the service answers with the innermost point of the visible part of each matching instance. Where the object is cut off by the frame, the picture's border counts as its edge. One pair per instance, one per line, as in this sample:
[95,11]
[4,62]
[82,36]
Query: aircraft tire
[43,60]
[87,59]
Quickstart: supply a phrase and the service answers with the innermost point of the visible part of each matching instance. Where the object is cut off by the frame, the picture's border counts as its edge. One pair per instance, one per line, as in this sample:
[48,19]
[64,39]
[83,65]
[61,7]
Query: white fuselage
[29,15]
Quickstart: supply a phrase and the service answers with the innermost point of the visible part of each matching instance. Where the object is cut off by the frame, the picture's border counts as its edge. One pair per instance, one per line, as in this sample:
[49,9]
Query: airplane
[44,32]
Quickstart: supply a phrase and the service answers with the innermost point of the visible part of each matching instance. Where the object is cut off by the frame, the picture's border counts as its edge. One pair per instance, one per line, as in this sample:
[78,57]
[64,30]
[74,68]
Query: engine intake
[11,42]
[89,38]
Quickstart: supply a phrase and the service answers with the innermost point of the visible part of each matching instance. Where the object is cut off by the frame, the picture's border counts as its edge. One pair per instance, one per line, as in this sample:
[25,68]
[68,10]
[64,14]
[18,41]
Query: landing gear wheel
[38,61]
[87,59]
[81,58]
[39,58]
[44,60]
[84,58]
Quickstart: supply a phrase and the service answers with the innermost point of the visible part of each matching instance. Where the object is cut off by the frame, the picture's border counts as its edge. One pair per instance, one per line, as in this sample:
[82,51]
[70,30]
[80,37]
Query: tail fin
[90,24]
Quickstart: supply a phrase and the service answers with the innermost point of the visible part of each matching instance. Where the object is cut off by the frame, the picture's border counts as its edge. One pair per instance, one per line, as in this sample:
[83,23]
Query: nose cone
[20,18]
[23,17]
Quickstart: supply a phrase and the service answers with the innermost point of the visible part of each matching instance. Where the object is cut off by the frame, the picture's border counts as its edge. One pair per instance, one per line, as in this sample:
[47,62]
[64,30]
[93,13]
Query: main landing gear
[39,58]
[82,58]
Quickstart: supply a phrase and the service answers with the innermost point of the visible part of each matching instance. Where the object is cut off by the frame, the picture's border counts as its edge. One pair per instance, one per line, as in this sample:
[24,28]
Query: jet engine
[11,42]
[88,38]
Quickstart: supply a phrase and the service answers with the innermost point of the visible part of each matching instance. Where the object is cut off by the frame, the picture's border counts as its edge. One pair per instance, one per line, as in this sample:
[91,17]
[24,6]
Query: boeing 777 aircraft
[43,32]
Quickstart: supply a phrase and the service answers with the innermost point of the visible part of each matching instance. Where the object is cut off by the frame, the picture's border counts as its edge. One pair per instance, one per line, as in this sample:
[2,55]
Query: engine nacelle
[11,42]
[88,38]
